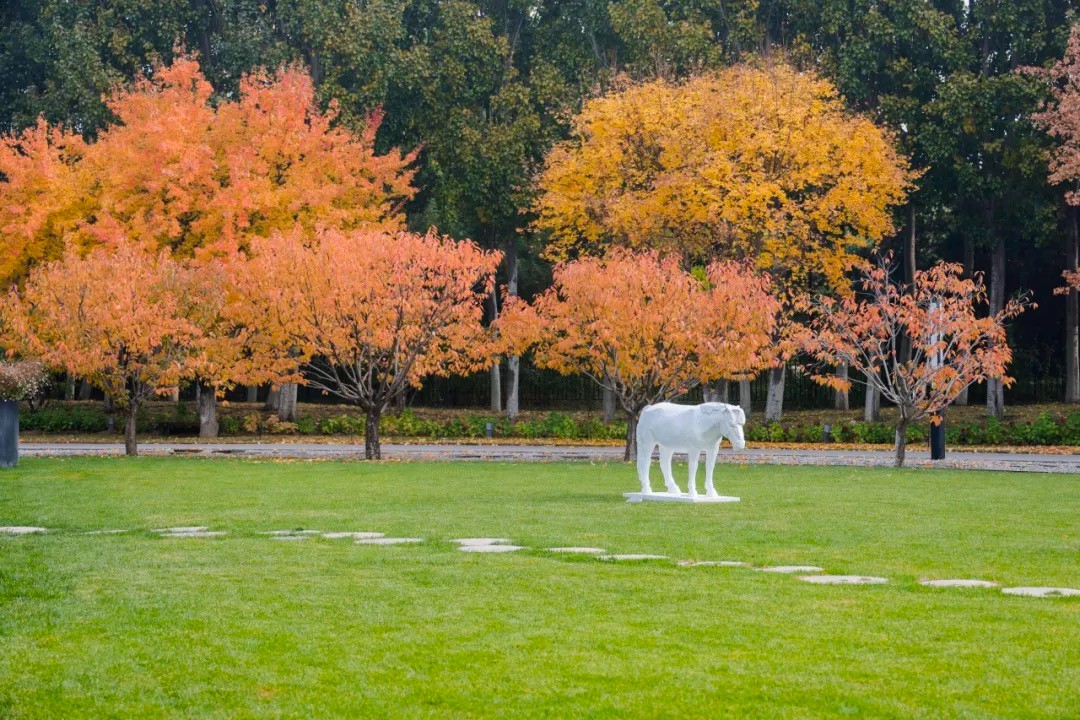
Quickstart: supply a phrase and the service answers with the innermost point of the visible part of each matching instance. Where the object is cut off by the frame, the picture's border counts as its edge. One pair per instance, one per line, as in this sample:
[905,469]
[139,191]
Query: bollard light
[826,433]
[489,430]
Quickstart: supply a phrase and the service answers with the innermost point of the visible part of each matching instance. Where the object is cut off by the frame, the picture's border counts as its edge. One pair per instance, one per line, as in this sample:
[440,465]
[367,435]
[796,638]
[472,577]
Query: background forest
[484,89]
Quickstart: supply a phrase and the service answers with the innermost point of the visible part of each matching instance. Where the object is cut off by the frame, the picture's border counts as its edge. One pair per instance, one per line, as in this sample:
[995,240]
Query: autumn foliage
[184,170]
[759,163]
[952,344]
[132,336]
[640,325]
[369,313]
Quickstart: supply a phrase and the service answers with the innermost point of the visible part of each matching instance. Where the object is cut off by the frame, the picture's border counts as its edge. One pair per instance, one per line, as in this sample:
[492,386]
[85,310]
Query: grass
[135,625]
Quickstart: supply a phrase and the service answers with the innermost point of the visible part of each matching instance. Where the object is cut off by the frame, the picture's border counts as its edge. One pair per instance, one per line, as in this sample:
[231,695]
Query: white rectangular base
[637,497]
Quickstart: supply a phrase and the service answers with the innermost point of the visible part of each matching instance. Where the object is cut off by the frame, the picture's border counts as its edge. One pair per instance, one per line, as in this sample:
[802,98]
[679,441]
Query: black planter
[9,433]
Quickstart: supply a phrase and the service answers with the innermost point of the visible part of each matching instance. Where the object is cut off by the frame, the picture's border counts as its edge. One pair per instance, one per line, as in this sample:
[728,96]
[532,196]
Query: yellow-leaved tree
[761,163]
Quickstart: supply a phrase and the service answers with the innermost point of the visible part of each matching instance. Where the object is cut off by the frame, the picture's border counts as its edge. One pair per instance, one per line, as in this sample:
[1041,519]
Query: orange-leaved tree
[182,170]
[39,196]
[200,175]
[119,316]
[641,326]
[757,163]
[952,344]
[370,313]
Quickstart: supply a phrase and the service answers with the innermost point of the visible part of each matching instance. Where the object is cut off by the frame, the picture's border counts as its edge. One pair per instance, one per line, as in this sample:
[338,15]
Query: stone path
[1042,591]
[490,548]
[958,583]
[189,531]
[807,573]
[843,579]
[578,550]
[1017,462]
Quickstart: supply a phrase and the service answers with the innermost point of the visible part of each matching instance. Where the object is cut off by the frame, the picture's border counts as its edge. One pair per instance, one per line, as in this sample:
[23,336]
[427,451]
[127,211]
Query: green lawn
[140,626]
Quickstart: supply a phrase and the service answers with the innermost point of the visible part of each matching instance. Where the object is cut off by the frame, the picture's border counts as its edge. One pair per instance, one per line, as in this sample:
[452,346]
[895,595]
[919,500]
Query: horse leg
[644,462]
[692,459]
[710,464]
[665,468]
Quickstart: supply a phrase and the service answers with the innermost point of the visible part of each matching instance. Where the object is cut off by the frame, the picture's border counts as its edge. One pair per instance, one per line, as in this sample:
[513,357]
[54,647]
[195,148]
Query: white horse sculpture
[692,429]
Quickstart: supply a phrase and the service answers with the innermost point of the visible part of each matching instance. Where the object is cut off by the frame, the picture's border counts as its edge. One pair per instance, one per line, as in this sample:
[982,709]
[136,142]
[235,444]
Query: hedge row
[1046,430]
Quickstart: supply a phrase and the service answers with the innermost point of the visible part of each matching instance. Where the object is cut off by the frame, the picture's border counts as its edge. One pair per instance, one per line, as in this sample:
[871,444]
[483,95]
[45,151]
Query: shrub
[228,425]
[276,426]
[1070,432]
[307,426]
[252,423]
[62,419]
[22,380]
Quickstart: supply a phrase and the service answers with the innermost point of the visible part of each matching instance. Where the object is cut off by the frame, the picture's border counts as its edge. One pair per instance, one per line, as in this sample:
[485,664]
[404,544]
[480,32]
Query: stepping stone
[105,532]
[353,535]
[584,550]
[290,537]
[280,533]
[184,529]
[633,556]
[712,563]
[1042,591]
[490,548]
[195,534]
[958,583]
[387,541]
[843,579]
[20,530]
[791,569]
[475,542]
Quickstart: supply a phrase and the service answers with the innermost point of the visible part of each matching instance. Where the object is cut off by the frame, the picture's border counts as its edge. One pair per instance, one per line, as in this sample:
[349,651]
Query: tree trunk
[995,388]
[69,387]
[372,447]
[496,388]
[744,396]
[513,363]
[207,407]
[969,271]
[901,443]
[872,405]
[272,399]
[287,402]
[496,369]
[85,389]
[909,275]
[131,413]
[252,394]
[1072,317]
[630,452]
[840,398]
[401,399]
[174,394]
[513,374]
[774,402]
[608,399]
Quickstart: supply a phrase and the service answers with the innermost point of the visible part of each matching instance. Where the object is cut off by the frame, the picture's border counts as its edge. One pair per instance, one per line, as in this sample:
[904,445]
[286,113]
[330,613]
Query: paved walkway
[1017,462]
